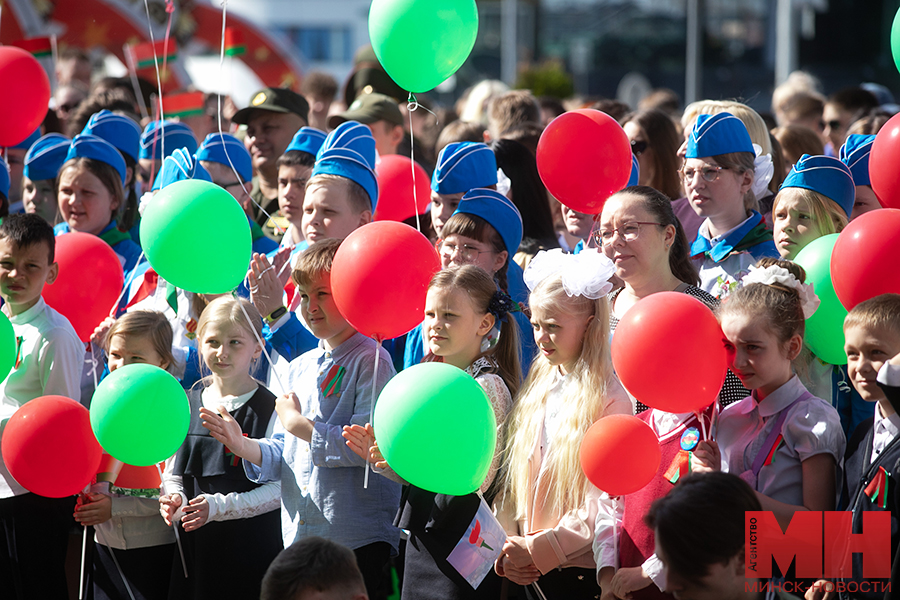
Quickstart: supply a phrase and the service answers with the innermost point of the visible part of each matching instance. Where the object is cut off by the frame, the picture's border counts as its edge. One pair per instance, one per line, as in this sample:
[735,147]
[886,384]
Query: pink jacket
[557,540]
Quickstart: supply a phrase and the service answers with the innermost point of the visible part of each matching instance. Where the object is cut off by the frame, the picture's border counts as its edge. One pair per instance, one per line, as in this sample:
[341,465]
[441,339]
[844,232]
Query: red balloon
[89,282]
[395,189]
[379,278]
[49,447]
[620,454]
[668,352]
[883,160]
[26,95]
[864,261]
[583,158]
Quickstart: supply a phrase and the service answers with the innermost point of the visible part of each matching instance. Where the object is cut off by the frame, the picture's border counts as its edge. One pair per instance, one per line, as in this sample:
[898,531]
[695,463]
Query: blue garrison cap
[120,131]
[308,139]
[4,179]
[96,148]
[220,147]
[349,151]
[46,156]
[179,166]
[30,140]
[462,166]
[717,134]
[855,154]
[498,211]
[827,176]
[177,135]
[635,172]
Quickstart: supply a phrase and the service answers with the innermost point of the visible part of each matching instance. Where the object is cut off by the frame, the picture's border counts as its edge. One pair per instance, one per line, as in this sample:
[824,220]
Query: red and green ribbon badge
[332,382]
[771,457]
[681,466]
[877,489]
[476,539]
[19,341]
[234,459]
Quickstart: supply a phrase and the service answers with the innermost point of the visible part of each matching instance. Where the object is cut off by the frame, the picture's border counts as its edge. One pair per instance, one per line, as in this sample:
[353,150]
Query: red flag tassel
[878,488]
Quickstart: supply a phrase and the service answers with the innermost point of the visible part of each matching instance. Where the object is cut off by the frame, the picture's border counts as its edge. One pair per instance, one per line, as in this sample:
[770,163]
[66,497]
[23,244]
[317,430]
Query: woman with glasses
[640,233]
[654,141]
[718,173]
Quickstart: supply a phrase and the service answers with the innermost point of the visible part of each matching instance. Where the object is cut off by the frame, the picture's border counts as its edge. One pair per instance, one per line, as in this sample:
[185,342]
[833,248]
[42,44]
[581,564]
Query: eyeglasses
[638,147]
[466,254]
[628,232]
[709,173]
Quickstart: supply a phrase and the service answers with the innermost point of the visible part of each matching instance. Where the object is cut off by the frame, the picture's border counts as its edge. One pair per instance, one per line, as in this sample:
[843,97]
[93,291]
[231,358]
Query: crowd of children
[281,387]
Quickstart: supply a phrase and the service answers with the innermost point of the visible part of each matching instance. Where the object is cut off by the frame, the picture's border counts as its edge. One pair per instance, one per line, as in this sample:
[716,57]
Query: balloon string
[125,288]
[83,555]
[262,344]
[93,364]
[115,561]
[702,419]
[219,120]
[162,484]
[411,106]
[372,407]
[615,502]
[132,73]
[156,66]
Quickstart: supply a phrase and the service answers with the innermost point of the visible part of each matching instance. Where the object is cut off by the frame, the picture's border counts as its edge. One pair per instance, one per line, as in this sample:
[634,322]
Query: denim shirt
[322,489]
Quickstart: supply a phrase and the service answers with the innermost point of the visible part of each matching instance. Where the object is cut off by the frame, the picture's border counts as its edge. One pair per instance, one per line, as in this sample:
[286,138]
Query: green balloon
[895,39]
[140,414]
[825,328]
[196,236]
[420,43]
[8,346]
[436,428]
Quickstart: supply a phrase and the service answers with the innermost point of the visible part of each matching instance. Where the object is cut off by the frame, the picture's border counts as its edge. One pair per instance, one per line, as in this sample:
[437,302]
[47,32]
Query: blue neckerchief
[726,246]
[578,247]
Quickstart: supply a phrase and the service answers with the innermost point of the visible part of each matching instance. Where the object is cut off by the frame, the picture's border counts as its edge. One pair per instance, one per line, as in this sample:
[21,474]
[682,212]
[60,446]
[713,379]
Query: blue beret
[498,211]
[827,176]
[308,139]
[178,166]
[4,179]
[220,147]
[349,151]
[175,135]
[463,166]
[46,156]
[96,148]
[713,135]
[119,130]
[635,172]
[855,154]
[30,140]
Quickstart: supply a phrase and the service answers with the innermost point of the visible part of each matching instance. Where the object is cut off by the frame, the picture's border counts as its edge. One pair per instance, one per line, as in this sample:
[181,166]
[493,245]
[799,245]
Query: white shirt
[50,360]
[885,430]
[718,278]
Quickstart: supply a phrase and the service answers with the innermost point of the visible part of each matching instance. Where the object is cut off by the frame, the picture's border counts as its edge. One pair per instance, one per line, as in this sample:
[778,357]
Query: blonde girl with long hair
[547,505]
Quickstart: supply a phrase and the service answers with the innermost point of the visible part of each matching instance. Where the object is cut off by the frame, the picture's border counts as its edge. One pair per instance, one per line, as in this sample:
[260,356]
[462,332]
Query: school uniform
[228,556]
[765,442]
[723,260]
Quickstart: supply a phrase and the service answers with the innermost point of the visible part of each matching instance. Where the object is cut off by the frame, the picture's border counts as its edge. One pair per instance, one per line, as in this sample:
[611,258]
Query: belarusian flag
[234,42]
[142,54]
[38,47]
[185,104]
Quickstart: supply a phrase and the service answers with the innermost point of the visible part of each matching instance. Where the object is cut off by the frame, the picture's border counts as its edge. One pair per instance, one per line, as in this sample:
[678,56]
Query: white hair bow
[584,274]
[809,301]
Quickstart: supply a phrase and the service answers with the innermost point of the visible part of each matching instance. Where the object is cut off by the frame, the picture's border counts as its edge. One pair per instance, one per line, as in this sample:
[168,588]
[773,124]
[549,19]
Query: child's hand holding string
[168,507]
[362,441]
[93,509]
[706,457]
[196,514]
[224,428]
[98,338]
[516,562]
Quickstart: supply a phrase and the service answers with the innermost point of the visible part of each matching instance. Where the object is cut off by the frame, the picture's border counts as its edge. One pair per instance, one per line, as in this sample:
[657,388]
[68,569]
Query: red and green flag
[234,42]
[142,54]
[185,104]
[39,47]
